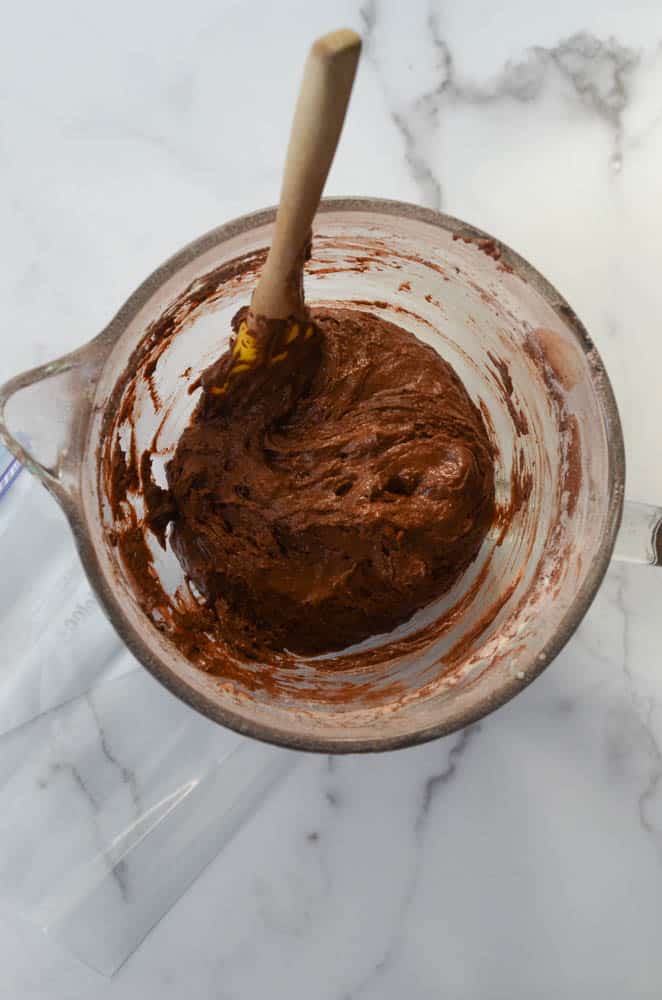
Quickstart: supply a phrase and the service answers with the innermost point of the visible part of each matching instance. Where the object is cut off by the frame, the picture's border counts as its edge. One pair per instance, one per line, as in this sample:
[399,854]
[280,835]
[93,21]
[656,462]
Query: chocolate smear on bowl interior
[323,497]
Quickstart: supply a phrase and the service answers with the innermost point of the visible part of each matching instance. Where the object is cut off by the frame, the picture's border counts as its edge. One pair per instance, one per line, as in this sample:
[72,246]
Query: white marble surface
[522,858]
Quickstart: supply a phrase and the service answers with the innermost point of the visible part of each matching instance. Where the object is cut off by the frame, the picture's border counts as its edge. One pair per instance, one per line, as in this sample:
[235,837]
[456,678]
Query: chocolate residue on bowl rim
[505,383]
[190,626]
[558,379]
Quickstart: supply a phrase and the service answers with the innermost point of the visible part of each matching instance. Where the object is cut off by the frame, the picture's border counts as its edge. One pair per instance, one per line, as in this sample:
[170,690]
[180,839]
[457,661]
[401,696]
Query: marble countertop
[523,857]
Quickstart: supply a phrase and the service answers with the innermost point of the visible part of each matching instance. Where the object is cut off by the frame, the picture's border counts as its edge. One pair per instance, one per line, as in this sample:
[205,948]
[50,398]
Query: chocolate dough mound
[331,494]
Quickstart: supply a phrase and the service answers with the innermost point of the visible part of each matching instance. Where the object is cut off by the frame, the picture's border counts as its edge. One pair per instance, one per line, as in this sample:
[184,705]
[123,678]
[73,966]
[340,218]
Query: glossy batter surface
[331,493]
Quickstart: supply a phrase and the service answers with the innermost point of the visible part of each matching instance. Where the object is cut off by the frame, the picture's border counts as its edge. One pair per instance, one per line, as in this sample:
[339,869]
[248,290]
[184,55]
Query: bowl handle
[45,413]
[640,535]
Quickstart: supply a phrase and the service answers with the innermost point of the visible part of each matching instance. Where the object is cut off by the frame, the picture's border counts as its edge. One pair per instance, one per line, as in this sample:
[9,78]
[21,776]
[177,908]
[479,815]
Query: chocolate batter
[333,491]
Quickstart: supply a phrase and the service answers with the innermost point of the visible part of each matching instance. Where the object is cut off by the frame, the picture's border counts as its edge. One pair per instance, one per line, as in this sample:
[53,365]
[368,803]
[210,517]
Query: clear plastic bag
[114,795]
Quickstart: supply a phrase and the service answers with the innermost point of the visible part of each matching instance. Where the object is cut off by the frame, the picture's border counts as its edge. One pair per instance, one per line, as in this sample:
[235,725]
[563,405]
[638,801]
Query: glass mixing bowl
[523,356]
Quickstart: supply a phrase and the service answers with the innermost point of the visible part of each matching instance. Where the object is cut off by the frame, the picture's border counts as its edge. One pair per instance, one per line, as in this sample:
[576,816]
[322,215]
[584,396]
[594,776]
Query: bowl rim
[224,715]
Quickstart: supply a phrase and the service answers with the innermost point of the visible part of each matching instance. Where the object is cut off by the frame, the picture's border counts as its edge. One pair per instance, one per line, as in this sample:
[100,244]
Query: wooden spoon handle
[318,120]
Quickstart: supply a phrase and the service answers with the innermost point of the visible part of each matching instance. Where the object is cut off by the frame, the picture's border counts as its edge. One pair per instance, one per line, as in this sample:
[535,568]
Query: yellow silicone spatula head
[318,119]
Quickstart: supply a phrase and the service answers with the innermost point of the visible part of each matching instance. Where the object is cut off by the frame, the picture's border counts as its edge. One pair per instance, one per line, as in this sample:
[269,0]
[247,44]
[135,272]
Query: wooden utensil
[318,119]
[274,320]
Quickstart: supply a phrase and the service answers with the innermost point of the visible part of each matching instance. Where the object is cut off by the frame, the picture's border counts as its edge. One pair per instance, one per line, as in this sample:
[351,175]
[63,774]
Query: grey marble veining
[522,858]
